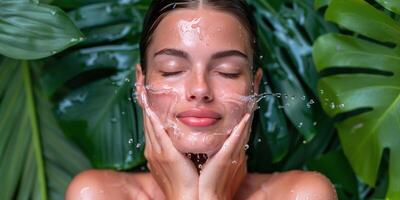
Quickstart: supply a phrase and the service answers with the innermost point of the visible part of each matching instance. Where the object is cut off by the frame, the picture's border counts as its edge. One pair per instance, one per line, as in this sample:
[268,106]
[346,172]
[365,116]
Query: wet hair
[160,8]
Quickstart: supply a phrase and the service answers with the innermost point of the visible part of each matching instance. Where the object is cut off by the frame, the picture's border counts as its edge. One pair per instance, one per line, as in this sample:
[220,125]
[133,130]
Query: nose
[199,90]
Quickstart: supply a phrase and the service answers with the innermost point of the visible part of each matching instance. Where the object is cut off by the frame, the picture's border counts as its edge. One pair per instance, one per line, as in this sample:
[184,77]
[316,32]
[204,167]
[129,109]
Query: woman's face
[198,77]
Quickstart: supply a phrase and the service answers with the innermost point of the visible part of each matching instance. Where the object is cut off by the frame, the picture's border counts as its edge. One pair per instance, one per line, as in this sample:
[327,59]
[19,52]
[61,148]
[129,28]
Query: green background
[67,99]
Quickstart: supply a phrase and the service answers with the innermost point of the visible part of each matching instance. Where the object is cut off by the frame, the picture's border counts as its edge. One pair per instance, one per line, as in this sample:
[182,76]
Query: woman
[196,84]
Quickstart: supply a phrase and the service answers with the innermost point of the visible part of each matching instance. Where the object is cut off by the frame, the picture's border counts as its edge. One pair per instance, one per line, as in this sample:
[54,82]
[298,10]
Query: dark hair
[160,8]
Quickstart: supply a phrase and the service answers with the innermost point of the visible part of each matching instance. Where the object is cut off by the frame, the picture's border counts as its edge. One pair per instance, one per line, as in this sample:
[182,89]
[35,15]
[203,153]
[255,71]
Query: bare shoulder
[310,185]
[107,184]
[287,185]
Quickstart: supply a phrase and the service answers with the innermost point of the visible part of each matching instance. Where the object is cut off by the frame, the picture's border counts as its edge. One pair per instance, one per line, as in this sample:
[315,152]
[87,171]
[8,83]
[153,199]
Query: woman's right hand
[173,172]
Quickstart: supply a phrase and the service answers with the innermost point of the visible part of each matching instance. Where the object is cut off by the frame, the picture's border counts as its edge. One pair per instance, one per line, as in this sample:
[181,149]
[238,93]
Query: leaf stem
[35,130]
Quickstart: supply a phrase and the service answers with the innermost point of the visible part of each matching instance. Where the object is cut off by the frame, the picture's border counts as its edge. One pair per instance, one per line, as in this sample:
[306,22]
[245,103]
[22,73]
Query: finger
[156,124]
[146,135]
[160,132]
[232,142]
[147,125]
[242,141]
[150,132]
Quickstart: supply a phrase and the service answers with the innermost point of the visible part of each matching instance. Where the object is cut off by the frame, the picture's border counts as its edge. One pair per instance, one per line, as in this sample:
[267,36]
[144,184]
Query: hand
[225,171]
[174,173]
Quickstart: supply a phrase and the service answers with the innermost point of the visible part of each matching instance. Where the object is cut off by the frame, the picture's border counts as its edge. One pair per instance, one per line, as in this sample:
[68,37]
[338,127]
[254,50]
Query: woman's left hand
[223,173]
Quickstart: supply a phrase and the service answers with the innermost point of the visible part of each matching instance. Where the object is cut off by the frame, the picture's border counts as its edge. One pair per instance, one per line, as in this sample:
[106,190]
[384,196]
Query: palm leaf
[37,161]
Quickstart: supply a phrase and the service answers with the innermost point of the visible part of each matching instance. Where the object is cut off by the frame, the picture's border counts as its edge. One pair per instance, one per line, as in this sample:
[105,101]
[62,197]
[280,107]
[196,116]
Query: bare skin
[108,184]
[200,78]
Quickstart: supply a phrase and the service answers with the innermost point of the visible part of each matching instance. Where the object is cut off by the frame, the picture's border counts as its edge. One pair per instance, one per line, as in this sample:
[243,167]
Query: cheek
[163,103]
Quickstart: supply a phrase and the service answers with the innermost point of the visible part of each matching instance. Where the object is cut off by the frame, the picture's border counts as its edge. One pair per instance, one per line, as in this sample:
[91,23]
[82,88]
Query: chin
[204,143]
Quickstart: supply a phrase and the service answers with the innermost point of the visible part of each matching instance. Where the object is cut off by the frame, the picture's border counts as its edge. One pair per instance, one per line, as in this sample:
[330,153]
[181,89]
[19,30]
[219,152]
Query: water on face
[165,100]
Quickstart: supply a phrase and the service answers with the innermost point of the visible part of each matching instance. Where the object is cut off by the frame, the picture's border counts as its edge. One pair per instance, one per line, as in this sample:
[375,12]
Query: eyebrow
[173,52]
[183,54]
[228,53]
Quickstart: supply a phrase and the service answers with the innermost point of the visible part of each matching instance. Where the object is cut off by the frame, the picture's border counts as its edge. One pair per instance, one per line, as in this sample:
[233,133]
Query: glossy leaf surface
[32,31]
[362,78]
[38,162]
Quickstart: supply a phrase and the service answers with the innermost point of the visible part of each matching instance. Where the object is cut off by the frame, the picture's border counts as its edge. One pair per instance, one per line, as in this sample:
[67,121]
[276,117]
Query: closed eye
[230,75]
[167,74]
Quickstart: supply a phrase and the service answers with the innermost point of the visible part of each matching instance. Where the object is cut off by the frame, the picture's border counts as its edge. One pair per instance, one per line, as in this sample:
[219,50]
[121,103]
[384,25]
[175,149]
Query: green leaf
[335,166]
[284,81]
[392,5]
[32,31]
[21,1]
[321,3]
[363,79]
[70,65]
[38,161]
[363,18]
[102,14]
[100,115]
[93,81]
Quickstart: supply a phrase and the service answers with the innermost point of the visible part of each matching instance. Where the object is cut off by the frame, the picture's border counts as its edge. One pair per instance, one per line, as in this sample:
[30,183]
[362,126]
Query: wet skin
[201,74]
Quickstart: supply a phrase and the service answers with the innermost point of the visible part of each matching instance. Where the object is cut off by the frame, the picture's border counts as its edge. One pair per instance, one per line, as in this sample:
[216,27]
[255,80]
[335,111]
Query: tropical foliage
[367,57]
[73,107]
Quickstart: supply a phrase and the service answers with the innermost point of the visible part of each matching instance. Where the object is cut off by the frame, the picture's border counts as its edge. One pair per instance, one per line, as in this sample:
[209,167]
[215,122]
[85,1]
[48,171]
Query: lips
[199,117]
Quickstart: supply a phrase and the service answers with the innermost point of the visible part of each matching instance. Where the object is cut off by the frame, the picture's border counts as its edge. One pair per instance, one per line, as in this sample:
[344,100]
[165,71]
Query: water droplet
[300,124]
[129,99]
[303,98]
[259,140]
[286,96]
[341,106]
[246,147]
[332,106]
[130,152]
[108,9]
[127,80]
[265,83]
[122,113]
[138,145]
[73,40]
[53,12]
[53,52]
[278,95]
[315,123]
[311,101]
[321,91]
[200,166]
[357,126]
[261,57]
[304,141]
[293,97]
[130,141]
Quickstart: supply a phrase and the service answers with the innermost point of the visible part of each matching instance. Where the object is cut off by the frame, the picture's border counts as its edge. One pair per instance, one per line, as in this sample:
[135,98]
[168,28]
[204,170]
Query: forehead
[200,30]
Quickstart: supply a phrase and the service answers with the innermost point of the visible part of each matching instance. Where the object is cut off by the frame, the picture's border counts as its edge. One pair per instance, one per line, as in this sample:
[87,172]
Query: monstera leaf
[92,84]
[361,84]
